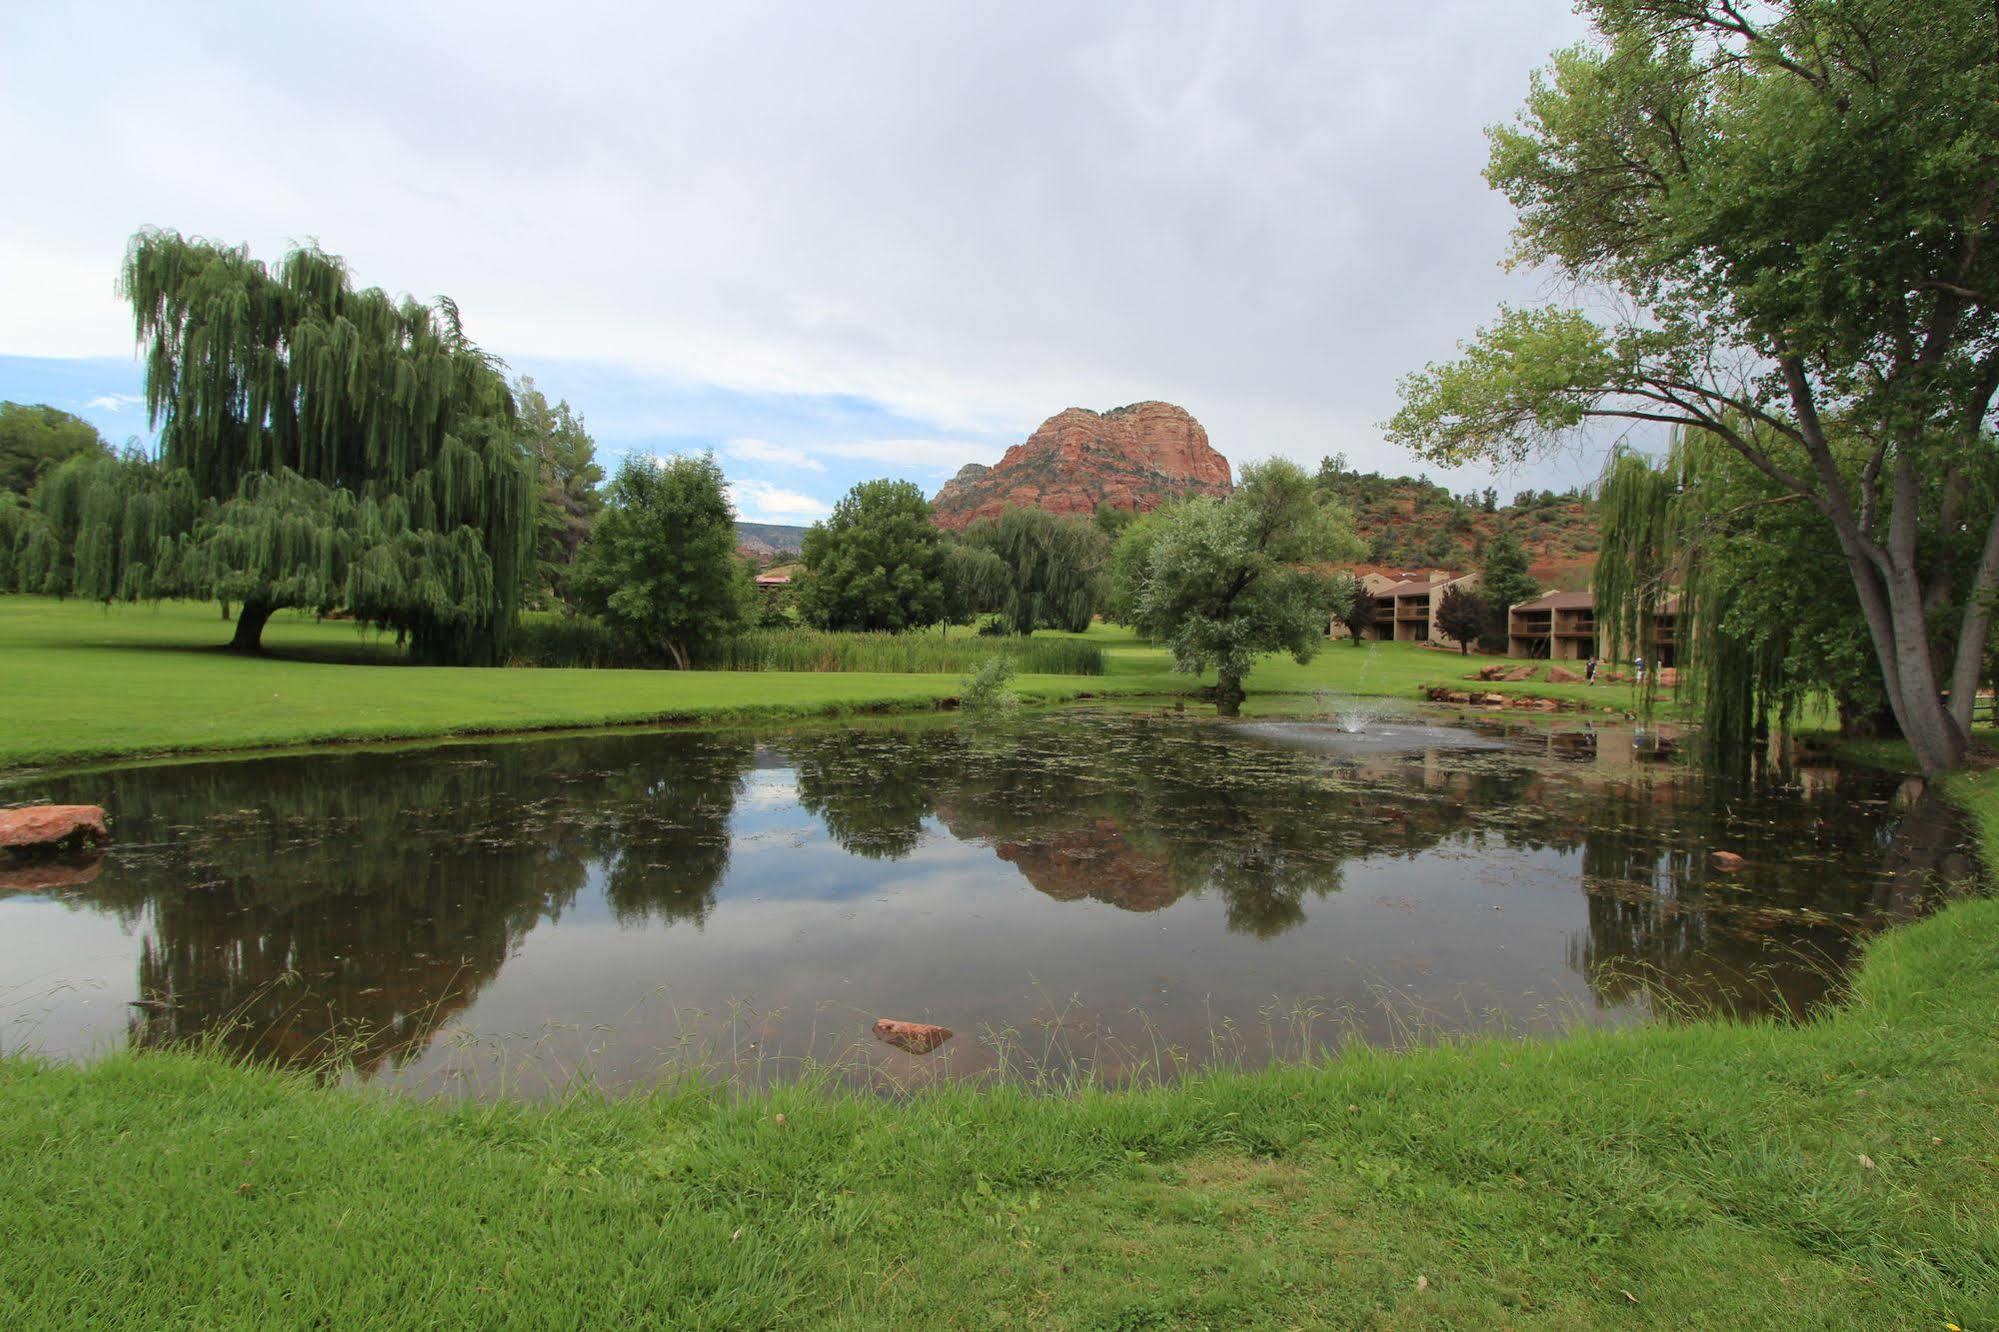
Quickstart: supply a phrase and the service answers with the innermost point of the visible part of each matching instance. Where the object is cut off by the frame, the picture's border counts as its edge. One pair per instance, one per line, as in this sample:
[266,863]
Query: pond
[1074,893]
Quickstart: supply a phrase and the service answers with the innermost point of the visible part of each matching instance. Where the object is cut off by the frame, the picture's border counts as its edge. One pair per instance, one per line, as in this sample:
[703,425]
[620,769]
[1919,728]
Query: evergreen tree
[274,389]
[661,564]
[1504,580]
[569,500]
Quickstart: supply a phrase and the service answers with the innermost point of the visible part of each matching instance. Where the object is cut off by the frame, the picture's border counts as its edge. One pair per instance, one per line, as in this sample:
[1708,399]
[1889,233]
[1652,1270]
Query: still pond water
[1073,892]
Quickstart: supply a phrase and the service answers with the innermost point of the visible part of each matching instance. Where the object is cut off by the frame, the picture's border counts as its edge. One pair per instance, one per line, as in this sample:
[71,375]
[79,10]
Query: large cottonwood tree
[1787,209]
[355,449]
[1222,582]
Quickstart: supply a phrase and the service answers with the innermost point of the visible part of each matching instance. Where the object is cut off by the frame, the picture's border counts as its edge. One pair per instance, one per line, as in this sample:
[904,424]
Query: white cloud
[115,402]
[1266,213]
[762,502]
[943,456]
[763,451]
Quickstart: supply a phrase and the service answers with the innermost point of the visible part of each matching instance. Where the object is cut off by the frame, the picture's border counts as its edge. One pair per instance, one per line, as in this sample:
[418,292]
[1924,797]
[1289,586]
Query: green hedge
[548,640]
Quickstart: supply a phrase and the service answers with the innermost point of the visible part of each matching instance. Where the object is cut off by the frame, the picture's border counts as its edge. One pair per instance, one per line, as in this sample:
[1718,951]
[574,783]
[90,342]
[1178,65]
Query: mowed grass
[1841,1174]
[83,681]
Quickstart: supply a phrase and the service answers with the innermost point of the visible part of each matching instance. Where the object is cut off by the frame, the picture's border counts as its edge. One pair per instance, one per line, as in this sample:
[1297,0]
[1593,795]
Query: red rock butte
[1135,457]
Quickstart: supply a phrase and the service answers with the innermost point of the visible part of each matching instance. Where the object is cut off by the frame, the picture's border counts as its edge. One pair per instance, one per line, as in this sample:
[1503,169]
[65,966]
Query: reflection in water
[360,903]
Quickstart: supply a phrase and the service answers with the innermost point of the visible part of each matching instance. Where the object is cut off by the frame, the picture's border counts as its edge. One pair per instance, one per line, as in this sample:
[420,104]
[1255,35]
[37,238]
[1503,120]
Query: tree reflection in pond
[362,902]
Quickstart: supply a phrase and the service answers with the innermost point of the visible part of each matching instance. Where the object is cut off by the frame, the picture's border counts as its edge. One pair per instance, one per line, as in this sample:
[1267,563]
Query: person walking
[1638,666]
[1589,671]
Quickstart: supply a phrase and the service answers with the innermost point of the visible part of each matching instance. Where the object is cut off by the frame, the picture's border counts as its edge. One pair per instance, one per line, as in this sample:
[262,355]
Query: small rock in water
[915,1037]
[1727,860]
[40,827]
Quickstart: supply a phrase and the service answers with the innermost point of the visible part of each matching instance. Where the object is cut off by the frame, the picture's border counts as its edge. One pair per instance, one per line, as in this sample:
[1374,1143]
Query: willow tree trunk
[250,627]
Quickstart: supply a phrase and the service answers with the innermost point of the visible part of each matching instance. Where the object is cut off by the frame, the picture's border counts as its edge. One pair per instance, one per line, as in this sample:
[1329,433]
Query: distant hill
[1133,457]
[1414,523]
[769,542]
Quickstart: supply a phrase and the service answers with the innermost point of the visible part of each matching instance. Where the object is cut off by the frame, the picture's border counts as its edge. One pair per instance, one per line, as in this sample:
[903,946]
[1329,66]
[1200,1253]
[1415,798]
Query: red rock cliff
[1135,457]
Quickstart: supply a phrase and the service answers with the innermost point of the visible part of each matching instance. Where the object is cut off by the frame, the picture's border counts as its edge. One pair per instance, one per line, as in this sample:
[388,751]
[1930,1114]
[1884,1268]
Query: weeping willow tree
[101,526]
[352,448]
[1765,621]
[1054,568]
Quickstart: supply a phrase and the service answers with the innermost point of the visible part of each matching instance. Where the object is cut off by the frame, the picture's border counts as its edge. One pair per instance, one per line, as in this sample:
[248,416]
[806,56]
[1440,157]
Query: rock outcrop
[1135,457]
[47,827]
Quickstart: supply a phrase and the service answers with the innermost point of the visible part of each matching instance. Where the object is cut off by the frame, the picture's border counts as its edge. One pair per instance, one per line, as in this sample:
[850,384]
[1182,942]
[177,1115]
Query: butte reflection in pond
[352,905]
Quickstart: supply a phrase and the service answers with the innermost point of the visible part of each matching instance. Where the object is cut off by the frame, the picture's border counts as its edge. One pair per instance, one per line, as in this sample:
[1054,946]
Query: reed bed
[551,641]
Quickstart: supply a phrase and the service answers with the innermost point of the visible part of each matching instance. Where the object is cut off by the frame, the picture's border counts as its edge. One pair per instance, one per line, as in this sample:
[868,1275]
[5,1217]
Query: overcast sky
[830,241]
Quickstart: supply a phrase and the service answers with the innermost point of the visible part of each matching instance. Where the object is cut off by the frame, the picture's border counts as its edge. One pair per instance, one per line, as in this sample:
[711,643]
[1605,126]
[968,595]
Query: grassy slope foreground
[80,681]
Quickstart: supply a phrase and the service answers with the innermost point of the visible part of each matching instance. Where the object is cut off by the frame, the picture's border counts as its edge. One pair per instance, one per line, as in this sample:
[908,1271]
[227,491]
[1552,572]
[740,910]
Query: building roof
[773,580]
[1408,589]
[1552,601]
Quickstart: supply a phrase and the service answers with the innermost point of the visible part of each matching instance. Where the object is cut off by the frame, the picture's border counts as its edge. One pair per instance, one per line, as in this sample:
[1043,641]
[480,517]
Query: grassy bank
[82,682]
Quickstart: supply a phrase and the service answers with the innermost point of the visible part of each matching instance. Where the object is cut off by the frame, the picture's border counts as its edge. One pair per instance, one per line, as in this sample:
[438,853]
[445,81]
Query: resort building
[1405,610]
[1561,626]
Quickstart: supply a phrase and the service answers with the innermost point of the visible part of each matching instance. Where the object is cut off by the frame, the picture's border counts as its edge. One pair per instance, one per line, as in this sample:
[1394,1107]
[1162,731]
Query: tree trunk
[1229,694]
[250,628]
[679,655]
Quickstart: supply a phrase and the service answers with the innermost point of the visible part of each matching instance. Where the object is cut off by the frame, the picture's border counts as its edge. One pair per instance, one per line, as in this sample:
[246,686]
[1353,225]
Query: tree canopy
[1792,208]
[661,564]
[1053,568]
[301,401]
[1504,582]
[1461,616]
[567,473]
[36,438]
[1764,615]
[1352,606]
[876,564]
[1221,582]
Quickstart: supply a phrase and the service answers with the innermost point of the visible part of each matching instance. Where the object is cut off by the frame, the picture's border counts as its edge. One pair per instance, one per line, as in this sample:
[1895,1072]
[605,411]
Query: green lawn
[81,681]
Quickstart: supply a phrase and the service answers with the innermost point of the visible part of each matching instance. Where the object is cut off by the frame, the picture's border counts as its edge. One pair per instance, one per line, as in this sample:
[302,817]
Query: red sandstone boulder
[1727,860]
[1520,673]
[1563,675]
[1135,457]
[44,827]
[915,1037]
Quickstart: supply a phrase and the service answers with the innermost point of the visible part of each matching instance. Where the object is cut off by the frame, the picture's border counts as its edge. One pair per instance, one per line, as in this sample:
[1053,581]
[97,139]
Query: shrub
[988,688]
